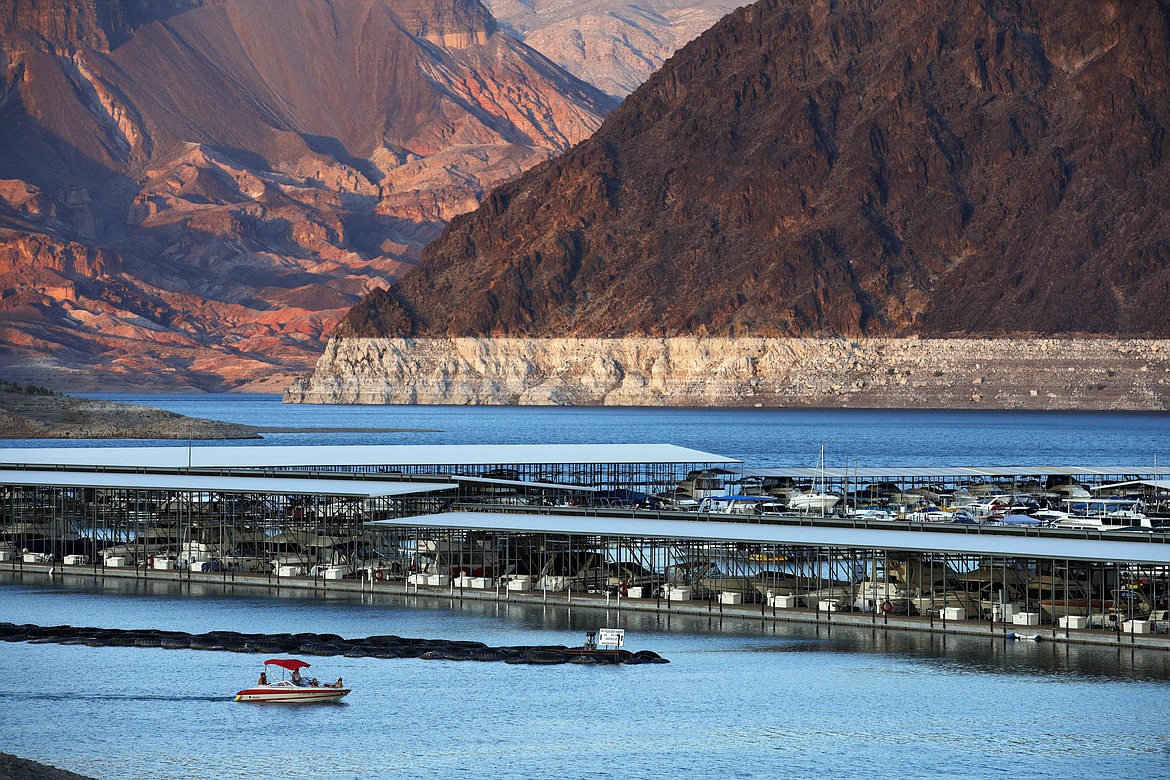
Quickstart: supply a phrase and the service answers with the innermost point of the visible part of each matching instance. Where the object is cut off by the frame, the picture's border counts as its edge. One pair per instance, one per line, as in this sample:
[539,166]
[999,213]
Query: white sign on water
[611,637]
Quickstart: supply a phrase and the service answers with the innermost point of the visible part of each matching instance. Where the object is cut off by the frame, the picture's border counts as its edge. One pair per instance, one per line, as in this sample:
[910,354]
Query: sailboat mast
[823,491]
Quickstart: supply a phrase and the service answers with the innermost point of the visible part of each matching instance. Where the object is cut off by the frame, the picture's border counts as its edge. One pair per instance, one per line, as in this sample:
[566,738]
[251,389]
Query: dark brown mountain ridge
[862,167]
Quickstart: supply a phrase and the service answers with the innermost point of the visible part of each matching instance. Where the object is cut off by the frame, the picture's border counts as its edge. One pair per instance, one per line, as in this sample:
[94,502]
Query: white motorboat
[1103,514]
[295,689]
[813,500]
[734,505]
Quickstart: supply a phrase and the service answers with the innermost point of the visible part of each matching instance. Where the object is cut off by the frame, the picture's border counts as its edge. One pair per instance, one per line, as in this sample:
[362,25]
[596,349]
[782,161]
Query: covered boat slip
[1095,584]
[858,483]
[290,511]
[646,468]
[972,541]
[197,522]
[493,521]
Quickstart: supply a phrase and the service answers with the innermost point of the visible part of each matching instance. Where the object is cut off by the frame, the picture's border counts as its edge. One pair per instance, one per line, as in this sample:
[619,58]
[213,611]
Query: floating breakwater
[388,646]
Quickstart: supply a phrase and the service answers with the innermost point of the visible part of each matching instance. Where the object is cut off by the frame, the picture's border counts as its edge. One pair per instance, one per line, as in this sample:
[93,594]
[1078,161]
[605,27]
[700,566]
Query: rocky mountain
[193,192]
[920,167]
[612,44]
[831,172]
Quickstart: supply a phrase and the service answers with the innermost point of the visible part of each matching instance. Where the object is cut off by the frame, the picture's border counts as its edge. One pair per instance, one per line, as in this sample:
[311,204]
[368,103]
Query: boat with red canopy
[294,688]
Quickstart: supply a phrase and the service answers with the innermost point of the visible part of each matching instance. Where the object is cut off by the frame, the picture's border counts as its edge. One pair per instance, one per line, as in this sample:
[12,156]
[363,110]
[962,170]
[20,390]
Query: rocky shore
[1031,373]
[13,768]
[25,416]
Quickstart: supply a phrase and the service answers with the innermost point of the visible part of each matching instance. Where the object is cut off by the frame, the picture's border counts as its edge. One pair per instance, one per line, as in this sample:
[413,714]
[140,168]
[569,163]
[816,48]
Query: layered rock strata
[1105,374]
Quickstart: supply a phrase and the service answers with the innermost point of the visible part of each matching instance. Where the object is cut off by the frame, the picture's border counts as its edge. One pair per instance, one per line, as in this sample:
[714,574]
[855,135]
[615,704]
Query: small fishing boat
[293,689]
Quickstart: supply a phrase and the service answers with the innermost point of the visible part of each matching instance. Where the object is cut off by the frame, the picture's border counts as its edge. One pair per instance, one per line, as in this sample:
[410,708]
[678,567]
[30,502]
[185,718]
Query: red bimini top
[291,664]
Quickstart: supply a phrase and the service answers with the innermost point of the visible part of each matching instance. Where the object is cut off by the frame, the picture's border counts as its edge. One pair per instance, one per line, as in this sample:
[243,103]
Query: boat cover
[291,664]
[1021,520]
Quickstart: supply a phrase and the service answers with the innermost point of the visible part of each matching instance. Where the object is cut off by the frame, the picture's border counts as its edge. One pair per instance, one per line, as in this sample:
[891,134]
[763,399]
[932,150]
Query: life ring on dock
[623,590]
[378,574]
[150,561]
[887,607]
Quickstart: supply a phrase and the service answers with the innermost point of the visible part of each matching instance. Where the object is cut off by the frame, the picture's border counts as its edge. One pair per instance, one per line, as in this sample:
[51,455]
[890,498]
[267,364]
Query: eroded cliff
[690,371]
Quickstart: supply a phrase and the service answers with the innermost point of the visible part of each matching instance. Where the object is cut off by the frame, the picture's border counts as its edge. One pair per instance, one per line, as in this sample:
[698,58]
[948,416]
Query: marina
[640,527]
[723,705]
[885,686]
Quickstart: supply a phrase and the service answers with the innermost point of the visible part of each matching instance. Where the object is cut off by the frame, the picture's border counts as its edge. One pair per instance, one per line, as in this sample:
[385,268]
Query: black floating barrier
[388,646]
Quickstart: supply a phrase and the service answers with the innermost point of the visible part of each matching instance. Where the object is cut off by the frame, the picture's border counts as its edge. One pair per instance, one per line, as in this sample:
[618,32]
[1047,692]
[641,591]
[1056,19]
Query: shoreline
[331,429]
[1074,374]
[17,768]
[48,416]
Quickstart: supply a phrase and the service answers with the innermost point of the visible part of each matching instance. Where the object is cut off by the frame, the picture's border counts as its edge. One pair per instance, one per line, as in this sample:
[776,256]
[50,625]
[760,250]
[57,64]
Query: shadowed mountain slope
[857,167]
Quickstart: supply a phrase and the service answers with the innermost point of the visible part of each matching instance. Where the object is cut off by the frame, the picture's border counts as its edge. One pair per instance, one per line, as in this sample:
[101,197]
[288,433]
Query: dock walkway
[605,602]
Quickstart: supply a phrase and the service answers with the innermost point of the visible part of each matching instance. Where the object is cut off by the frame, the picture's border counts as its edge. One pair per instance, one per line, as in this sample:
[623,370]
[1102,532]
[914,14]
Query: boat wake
[74,696]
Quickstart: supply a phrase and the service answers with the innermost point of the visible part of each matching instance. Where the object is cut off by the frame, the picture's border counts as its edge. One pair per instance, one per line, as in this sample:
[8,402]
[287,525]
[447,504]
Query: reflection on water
[198,607]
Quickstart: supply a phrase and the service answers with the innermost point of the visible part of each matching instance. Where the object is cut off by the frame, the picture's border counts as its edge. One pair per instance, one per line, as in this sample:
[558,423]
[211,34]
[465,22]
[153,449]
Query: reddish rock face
[246,169]
[94,24]
[858,167]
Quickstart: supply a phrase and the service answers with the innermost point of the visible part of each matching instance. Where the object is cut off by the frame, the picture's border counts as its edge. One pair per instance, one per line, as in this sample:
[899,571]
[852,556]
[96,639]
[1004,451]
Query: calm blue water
[762,437]
[741,699]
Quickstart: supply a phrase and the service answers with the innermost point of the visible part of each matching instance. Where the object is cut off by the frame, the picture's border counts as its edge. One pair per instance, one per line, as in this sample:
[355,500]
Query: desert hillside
[193,193]
[921,167]
[828,172]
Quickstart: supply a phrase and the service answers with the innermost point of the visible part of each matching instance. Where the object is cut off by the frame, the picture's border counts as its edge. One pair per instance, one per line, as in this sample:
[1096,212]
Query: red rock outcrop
[232,159]
[93,24]
[935,167]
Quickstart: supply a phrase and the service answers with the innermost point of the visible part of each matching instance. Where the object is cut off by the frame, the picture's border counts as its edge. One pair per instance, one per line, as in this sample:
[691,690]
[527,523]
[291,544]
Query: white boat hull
[813,501]
[291,694]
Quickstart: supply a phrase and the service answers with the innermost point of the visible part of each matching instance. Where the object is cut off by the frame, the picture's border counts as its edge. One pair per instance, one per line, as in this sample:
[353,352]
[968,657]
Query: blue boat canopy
[1021,520]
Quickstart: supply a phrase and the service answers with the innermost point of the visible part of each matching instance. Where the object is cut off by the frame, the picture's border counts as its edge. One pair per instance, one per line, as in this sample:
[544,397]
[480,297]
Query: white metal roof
[200,483]
[1145,549]
[952,472]
[523,483]
[1160,484]
[258,456]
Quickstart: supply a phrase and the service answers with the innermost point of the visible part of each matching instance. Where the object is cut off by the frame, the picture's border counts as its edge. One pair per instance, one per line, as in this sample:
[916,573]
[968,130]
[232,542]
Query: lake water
[762,437]
[741,698]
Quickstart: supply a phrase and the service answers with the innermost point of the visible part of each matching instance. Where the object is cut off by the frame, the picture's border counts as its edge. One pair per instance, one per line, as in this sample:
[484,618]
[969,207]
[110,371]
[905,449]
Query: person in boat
[314,683]
[296,677]
[263,678]
[338,684]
